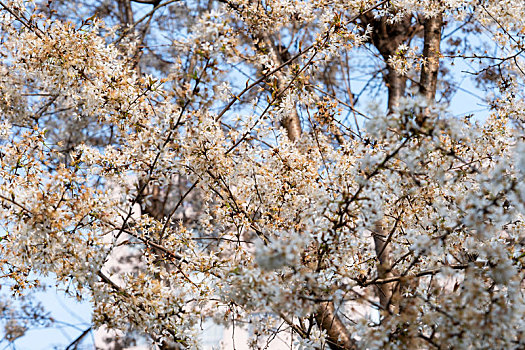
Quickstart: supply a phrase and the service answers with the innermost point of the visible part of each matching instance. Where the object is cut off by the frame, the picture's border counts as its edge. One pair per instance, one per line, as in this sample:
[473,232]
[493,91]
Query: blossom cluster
[100,159]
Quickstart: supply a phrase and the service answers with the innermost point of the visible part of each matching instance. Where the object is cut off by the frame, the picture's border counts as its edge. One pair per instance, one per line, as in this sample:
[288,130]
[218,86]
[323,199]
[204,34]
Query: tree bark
[337,334]
[384,268]
[292,122]
[431,52]
[125,12]
[387,37]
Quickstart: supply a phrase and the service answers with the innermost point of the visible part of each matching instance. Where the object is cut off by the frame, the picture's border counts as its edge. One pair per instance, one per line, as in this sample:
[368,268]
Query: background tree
[274,189]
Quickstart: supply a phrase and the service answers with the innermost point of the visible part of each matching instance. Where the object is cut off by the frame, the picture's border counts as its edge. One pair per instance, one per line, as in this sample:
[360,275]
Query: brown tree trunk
[292,122]
[396,85]
[125,12]
[384,267]
[387,37]
[338,336]
[431,52]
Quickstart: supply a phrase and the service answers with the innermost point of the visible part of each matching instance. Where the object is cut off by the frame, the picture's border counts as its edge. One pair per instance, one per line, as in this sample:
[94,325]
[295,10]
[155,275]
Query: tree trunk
[431,52]
[384,268]
[387,37]
[292,122]
[337,334]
